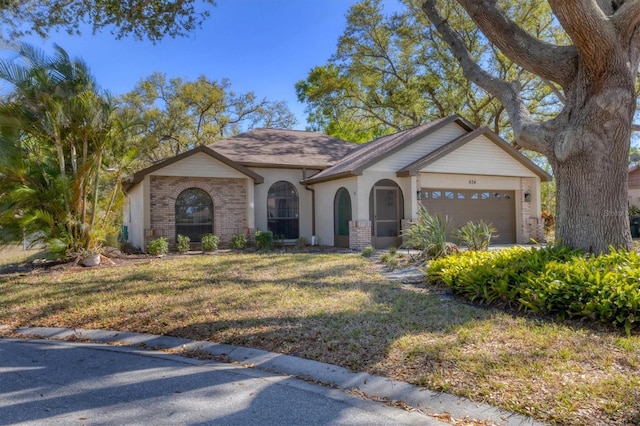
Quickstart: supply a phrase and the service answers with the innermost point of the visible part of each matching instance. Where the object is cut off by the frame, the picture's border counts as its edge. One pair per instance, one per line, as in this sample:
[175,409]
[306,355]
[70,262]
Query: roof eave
[313,180]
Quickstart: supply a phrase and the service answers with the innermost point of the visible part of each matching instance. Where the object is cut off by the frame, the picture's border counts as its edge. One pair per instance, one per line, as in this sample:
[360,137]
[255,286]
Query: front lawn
[338,308]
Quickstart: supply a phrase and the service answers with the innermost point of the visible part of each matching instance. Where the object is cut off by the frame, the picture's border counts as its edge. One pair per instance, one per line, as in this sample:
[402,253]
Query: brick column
[532,227]
[405,224]
[359,234]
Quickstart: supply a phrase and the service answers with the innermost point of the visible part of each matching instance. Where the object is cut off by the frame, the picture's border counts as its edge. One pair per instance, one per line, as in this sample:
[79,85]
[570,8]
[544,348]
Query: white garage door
[497,207]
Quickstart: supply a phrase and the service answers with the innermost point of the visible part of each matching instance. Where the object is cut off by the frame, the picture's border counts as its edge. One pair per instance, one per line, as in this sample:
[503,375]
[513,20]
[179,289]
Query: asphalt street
[45,382]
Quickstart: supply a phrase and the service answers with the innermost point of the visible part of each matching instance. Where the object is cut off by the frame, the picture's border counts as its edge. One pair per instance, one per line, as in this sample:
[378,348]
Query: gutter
[313,207]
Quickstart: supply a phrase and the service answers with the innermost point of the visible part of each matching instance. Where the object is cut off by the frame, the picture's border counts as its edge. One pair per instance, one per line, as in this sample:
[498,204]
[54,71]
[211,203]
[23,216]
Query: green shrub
[183,243]
[429,234]
[553,280]
[238,242]
[390,260]
[159,246]
[264,240]
[368,251]
[209,242]
[476,236]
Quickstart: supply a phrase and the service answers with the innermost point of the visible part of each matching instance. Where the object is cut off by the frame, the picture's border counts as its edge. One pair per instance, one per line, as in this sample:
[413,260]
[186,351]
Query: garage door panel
[461,206]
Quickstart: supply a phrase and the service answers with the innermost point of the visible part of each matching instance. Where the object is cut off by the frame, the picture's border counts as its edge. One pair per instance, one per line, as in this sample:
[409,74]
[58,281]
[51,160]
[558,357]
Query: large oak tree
[587,143]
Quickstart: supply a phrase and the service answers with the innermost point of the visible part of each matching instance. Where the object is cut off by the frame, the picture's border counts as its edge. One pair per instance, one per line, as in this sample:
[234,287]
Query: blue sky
[264,46]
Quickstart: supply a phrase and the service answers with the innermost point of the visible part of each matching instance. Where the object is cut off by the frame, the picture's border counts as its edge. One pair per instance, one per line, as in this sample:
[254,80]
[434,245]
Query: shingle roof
[282,148]
[370,153]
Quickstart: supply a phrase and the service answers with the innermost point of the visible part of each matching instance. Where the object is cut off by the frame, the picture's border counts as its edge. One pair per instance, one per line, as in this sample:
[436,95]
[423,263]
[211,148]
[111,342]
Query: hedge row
[552,280]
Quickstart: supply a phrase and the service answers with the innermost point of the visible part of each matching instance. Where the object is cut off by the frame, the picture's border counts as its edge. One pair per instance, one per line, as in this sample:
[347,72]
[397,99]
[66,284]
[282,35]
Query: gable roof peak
[370,153]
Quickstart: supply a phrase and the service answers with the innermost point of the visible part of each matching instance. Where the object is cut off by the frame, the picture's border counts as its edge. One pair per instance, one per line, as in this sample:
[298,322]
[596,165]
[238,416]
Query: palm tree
[55,127]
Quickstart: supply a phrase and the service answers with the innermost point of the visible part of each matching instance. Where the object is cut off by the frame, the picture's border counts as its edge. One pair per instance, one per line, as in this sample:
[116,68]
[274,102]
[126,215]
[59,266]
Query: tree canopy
[178,115]
[392,71]
[151,19]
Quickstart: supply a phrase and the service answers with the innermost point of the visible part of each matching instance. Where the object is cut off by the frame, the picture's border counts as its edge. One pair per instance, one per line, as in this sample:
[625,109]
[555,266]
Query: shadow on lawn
[357,339]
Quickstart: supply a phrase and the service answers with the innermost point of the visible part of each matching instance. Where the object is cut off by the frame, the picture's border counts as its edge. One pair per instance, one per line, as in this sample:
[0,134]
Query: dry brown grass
[338,308]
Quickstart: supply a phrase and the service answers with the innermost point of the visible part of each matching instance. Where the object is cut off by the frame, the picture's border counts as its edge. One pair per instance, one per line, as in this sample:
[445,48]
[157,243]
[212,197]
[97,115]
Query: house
[306,184]
[633,186]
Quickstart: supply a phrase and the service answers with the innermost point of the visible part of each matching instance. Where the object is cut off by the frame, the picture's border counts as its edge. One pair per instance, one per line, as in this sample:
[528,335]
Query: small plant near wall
[301,243]
[238,242]
[390,260]
[209,243]
[367,251]
[429,235]
[183,243]
[476,236]
[264,240]
[278,241]
[159,246]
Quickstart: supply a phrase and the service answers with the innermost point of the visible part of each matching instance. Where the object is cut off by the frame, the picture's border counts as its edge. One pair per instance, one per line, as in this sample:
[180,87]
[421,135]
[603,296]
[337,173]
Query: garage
[497,207]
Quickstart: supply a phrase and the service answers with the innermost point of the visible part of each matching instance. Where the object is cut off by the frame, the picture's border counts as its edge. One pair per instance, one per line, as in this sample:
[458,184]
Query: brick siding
[359,234]
[229,205]
[531,226]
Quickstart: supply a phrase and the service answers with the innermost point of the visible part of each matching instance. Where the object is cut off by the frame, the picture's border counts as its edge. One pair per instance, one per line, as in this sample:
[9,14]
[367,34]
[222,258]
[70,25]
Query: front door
[341,218]
[386,216]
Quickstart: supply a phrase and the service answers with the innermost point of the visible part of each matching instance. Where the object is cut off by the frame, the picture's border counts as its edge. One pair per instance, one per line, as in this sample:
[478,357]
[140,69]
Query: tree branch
[589,29]
[627,18]
[534,136]
[554,89]
[551,62]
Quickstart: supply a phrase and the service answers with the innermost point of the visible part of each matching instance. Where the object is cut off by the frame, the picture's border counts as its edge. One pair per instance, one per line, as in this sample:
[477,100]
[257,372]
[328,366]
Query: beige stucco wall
[133,217]
[359,188]
[293,176]
[325,197]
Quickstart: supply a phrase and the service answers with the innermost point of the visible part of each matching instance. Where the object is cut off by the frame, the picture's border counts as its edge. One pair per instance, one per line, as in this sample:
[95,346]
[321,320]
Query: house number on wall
[472,181]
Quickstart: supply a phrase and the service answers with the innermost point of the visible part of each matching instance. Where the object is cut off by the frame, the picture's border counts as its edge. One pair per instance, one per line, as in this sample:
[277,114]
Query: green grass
[337,308]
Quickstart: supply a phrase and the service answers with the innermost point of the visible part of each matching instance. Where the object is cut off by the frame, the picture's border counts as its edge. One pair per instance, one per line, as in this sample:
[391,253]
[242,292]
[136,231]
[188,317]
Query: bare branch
[534,136]
[507,93]
[556,91]
[589,29]
[635,127]
[555,63]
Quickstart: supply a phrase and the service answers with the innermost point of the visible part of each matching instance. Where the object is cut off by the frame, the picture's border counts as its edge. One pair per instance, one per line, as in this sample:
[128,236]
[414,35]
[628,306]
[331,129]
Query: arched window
[194,214]
[282,210]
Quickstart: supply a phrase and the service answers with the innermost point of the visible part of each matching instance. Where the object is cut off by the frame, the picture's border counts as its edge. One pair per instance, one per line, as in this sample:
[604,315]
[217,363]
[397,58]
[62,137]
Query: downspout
[313,207]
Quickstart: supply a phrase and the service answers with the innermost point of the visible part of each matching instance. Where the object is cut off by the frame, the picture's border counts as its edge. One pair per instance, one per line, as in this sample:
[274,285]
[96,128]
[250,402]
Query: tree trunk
[591,203]
[590,166]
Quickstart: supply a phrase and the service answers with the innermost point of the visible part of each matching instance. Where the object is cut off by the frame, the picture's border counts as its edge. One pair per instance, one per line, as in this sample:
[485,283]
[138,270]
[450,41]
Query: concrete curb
[372,386]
